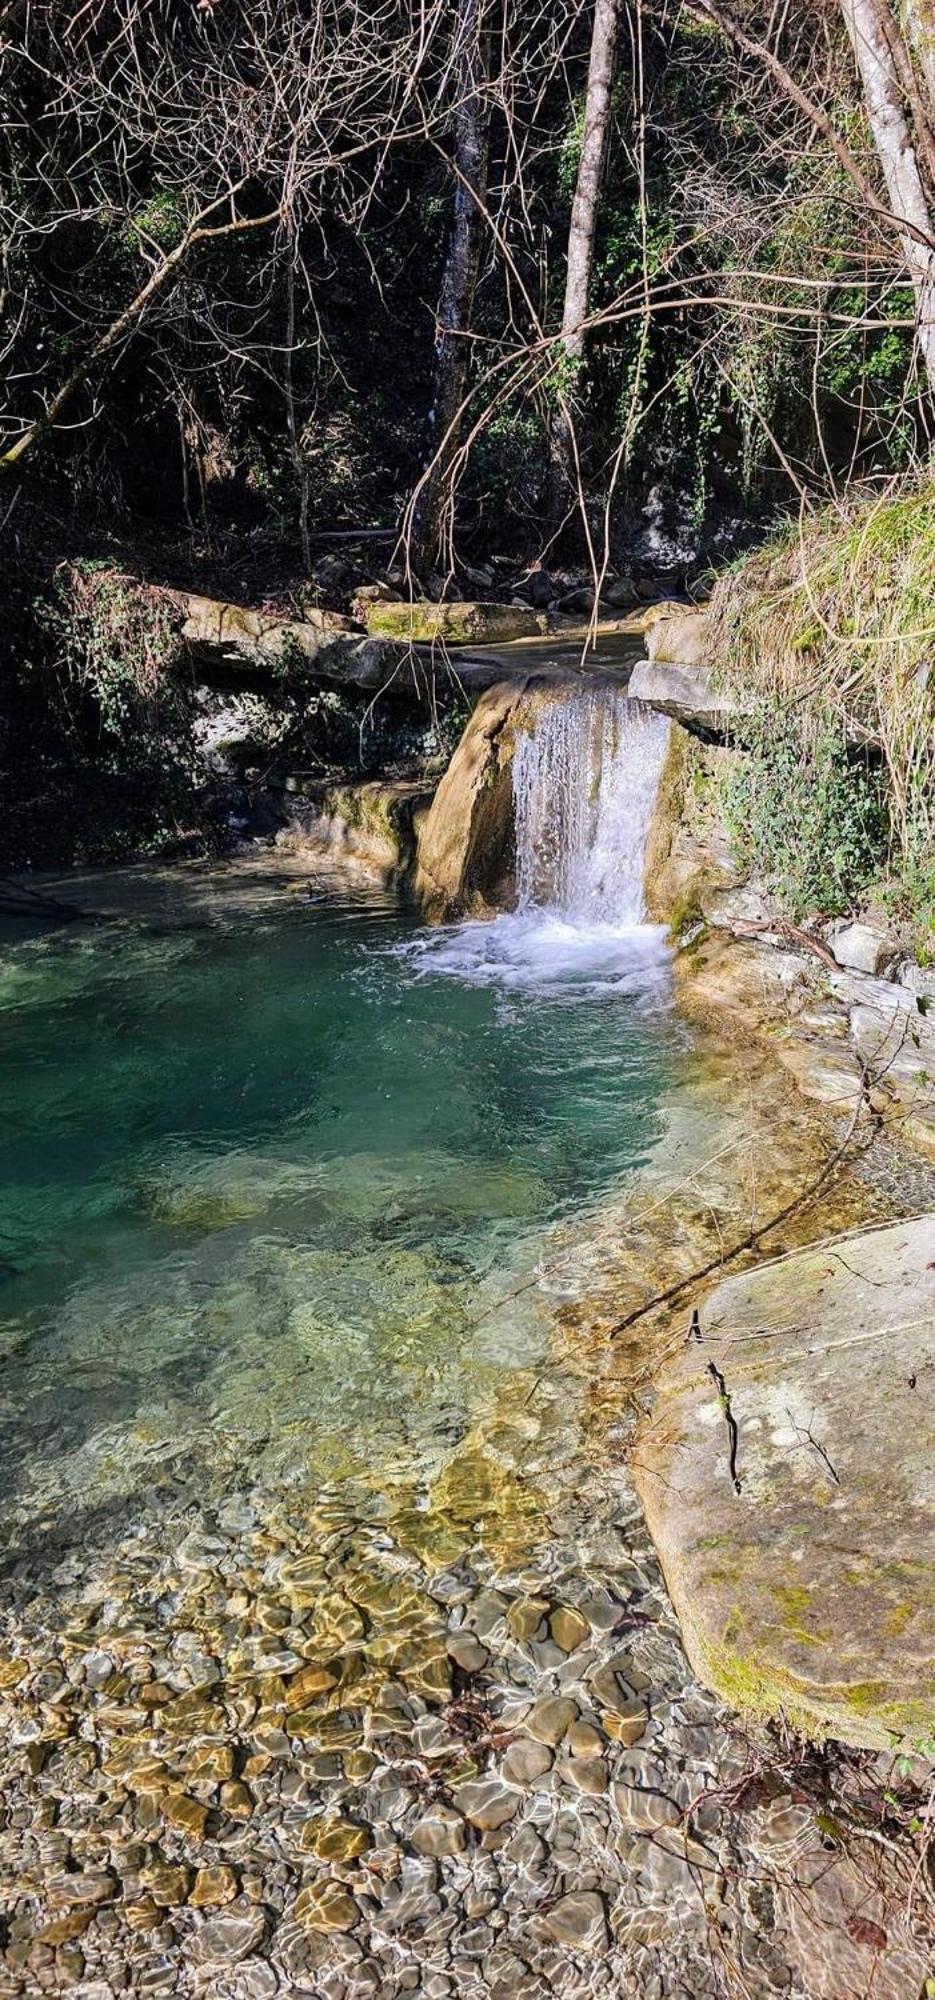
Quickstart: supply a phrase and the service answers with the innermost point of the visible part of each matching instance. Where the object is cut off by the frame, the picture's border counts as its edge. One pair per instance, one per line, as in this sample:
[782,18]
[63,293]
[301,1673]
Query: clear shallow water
[266,1177]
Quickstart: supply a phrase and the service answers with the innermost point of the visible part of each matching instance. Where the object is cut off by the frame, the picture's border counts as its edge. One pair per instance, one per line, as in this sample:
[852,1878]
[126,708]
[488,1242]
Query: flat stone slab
[683,692]
[788,1477]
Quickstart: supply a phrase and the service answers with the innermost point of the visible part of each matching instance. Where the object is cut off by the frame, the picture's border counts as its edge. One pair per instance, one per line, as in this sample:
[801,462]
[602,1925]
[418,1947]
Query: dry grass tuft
[838,614]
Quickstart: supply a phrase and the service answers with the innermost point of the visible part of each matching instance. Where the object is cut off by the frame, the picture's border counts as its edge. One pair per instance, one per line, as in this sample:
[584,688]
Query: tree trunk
[869,25]
[581,248]
[459,278]
[919,16]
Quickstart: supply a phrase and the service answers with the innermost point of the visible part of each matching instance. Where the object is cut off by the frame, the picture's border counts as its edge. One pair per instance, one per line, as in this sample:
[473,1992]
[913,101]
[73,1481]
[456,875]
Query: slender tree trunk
[459,278]
[581,246]
[870,26]
[919,16]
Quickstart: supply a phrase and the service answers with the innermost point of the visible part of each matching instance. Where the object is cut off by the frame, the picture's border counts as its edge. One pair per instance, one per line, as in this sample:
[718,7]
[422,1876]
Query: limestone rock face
[861,948]
[465,851]
[458,624]
[683,692]
[788,1477]
[688,853]
[677,636]
[374,823]
[232,639]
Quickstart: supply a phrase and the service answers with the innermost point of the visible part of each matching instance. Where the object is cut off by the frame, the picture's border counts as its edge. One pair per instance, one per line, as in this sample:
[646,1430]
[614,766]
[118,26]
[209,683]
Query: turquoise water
[275,1170]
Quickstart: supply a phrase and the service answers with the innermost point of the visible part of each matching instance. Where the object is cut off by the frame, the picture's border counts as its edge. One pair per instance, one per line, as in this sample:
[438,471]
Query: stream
[336,1660]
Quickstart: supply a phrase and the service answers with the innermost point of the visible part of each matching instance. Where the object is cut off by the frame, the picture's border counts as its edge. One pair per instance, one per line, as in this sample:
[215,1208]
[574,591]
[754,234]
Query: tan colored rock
[441,1831]
[467,1652]
[374,824]
[62,1929]
[587,1774]
[325,1906]
[686,694]
[525,1761]
[550,1718]
[165,1884]
[458,624]
[213,1887]
[526,1617]
[688,856]
[224,639]
[487,1803]
[585,1740]
[787,1477]
[310,1681]
[334,1839]
[187,1815]
[677,634]
[236,1800]
[569,1628]
[579,1922]
[464,859]
[628,1725]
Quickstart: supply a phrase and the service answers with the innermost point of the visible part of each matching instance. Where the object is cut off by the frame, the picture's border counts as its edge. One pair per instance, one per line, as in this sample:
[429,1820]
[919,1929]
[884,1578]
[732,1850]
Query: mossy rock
[460,624]
[787,1477]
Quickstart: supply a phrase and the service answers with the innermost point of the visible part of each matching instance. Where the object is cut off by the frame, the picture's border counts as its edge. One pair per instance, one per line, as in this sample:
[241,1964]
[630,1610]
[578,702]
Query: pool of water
[276,1170]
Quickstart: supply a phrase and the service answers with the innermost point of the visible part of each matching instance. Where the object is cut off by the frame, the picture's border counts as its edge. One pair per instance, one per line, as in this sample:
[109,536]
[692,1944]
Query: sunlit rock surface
[788,1477]
[456,624]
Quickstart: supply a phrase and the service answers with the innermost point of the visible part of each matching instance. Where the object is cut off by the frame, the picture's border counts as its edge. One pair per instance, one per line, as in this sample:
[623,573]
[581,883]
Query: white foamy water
[584,786]
[585,781]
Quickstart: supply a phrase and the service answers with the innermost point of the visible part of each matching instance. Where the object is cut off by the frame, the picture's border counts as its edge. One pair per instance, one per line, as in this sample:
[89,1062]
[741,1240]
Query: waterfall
[585,780]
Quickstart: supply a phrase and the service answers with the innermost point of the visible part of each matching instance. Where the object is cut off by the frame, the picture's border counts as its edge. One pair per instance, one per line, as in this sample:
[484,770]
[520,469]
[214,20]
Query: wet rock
[165,1883]
[335,1839]
[525,1761]
[91,1887]
[549,1719]
[587,1774]
[569,1628]
[579,1922]
[186,1814]
[213,1886]
[325,1906]
[467,1652]
[526,1617]
[440,1831]
[229,1937]
[584,1739]
[647,1805]
[487,1803]
[627,1724]
[236,1800]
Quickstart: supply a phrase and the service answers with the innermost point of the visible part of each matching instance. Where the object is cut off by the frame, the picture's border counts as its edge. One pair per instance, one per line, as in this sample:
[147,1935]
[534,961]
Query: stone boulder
[232,640]
[788,1476]
[675,676]
[465,850]
[462,624]
[683,692]
[374,823]
[676,635]
[862,948]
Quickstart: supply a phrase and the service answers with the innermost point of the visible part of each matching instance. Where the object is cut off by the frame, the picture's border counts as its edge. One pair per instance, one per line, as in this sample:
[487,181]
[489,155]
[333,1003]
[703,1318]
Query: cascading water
[584,785]
[585,778]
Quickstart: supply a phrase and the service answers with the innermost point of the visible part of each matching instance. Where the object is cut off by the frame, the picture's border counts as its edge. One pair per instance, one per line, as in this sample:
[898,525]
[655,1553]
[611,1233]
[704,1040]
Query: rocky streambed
[405,1723]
